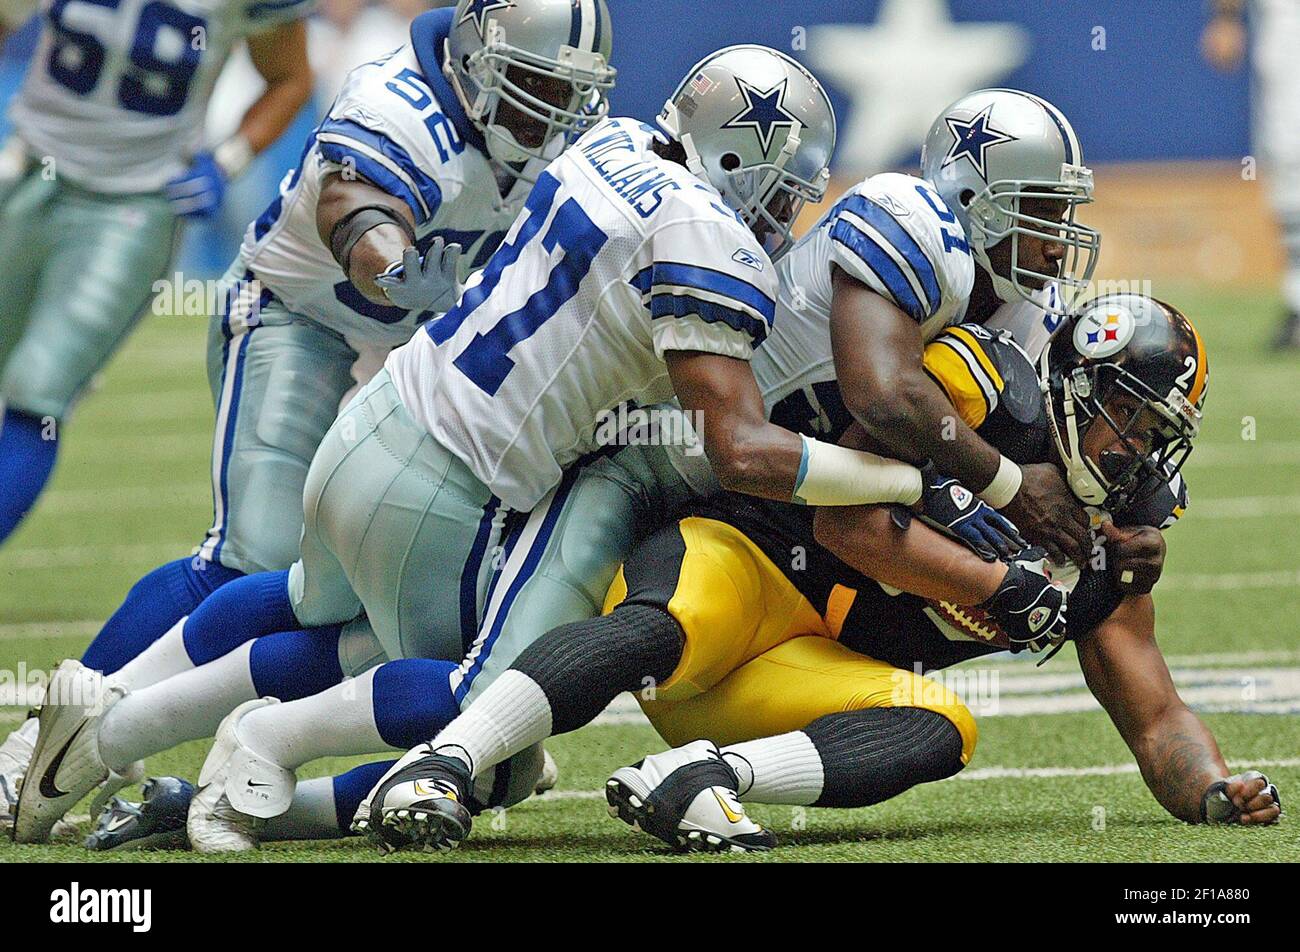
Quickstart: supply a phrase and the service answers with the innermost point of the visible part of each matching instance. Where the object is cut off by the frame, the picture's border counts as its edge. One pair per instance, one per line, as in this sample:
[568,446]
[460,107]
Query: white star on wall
[900,71]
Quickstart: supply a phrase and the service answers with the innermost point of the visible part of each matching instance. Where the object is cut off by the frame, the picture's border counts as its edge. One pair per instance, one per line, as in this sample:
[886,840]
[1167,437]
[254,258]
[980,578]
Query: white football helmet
[991,149]
[759,128]
[498,47]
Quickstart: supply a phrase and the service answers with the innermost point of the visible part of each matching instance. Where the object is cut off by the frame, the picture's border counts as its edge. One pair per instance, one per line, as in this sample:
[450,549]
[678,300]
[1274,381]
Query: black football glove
[949,504]
[1027,605]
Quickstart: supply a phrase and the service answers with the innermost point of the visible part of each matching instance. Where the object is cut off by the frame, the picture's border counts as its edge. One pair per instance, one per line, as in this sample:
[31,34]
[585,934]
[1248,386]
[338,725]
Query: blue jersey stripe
[469,575]
[885,268]
[642,280]
[681,305]
[880,218]
[430,191]
[718,282]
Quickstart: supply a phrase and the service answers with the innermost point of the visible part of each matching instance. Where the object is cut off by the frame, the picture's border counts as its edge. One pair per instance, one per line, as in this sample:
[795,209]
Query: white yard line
[1246,453]
[50,629]
[125,498]
[1243,507]
[981,773]
[80,556]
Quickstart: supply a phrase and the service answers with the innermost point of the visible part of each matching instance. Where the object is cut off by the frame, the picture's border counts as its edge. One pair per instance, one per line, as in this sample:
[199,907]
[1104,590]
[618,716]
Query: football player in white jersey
[634,272]
[426,153]
[1002,176]
[106,159]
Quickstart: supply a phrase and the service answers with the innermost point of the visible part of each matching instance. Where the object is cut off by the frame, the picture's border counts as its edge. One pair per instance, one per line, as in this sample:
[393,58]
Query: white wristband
[833,475]
[1004,486]
[233,155]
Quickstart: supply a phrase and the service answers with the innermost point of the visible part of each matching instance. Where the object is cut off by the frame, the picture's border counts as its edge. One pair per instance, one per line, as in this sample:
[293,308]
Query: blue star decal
[477,10]
[763,112]
[972,139]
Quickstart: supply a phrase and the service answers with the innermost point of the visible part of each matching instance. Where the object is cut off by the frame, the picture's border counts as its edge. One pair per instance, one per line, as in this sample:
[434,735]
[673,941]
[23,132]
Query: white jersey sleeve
[710,287]
[897,236]
[371,133]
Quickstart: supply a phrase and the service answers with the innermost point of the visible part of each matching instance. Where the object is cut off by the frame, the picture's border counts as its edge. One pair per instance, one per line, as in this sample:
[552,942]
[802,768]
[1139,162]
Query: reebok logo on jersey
[748,259]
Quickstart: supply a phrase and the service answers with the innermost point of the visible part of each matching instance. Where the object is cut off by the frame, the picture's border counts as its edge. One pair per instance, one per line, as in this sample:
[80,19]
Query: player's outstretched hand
[198,191]
[427,283]
[1135,557]
[1246,798]
[1048,515]
[951,505]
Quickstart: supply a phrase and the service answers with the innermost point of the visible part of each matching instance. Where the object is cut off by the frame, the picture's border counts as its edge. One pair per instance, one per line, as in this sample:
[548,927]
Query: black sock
[583,666]
[876,753]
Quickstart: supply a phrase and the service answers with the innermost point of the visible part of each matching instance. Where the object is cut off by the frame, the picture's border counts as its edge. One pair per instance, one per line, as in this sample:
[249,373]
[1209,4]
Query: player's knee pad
[584,665]
[872,754]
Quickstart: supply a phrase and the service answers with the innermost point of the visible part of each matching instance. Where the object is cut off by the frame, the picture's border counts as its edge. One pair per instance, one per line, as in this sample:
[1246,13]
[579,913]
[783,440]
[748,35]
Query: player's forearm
[273,111]
[280,57]
[377,244]
[923,425]
[1179,759]
[376,250]
[916,559]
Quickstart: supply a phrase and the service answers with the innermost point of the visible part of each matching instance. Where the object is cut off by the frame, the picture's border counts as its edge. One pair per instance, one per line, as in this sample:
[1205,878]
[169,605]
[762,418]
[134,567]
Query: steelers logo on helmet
[1104,330]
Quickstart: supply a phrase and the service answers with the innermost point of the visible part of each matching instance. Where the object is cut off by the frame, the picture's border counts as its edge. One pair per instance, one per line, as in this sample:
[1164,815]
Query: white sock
[16,751]
[781,769]
[188,706]
[312,815]
[510,716]
[338,722]
[162,659]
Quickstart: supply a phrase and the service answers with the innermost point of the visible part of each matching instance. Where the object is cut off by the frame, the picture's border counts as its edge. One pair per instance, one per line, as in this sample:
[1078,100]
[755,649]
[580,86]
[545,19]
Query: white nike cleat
[550,774]
[15,756]
[238,790]
[687,798]
[420,801]
[65,762]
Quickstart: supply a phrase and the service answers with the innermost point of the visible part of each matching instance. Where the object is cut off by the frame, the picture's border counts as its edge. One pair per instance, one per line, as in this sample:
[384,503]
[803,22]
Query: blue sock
[247,608]
[26,461]
[351,788]
[412,700]
[154,604]
[295,664]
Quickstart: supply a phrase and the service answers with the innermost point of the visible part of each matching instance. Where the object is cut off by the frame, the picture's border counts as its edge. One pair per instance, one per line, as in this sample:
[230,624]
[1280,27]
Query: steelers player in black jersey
[780,648]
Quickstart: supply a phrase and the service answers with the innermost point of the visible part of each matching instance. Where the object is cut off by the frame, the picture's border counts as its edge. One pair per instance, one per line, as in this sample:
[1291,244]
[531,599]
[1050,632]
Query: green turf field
[1050,781]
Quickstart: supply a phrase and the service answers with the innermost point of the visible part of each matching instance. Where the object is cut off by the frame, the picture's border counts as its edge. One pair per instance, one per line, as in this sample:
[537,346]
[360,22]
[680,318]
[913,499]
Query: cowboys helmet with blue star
[499,48]
[758,127]
[987,152]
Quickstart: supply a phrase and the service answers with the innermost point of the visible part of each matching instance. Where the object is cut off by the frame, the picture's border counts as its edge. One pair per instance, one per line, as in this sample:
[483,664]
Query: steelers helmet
[501,56]
[759,128]
[1125,382]
[985,154]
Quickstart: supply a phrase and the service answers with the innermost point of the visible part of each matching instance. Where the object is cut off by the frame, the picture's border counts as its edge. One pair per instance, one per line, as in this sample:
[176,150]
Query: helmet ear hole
[966,197]
[729,161]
